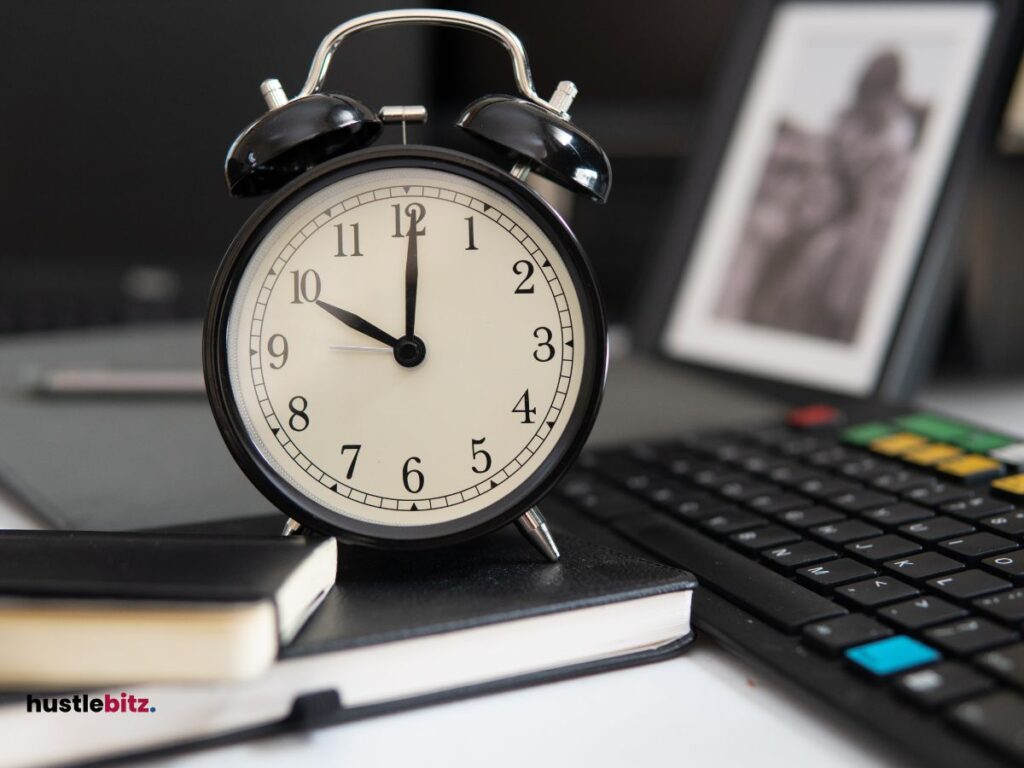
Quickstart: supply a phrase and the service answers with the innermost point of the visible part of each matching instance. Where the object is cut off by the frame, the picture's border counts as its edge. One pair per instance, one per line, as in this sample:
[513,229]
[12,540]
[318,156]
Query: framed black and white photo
[815,218]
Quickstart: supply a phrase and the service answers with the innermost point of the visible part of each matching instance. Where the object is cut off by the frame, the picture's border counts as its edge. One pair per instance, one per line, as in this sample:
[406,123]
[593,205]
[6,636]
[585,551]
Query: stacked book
[199,636]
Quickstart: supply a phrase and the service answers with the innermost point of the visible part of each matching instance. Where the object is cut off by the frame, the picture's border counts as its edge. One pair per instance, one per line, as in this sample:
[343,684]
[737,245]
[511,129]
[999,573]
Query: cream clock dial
[405,347]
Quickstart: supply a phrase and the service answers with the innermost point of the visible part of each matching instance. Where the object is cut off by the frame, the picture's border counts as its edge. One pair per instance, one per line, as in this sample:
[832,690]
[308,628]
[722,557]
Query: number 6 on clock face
[407,347]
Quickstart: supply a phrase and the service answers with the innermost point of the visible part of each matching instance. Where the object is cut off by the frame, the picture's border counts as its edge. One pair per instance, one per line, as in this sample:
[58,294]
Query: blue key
[893,654]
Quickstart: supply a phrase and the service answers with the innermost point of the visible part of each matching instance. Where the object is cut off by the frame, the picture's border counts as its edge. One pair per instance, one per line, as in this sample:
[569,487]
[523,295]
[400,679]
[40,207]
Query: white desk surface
[705,708]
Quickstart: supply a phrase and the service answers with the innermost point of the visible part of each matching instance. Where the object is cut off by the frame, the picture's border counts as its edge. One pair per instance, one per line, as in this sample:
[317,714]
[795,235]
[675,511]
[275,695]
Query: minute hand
[411,278]
[356,323]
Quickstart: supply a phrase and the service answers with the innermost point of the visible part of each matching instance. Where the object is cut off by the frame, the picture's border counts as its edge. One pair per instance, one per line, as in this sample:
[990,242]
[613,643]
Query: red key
[810,416]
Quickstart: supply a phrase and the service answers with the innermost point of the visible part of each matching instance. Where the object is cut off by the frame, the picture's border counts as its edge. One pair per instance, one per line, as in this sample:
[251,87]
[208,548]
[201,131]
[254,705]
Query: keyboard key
[1008,564]
[923,566]
[716,477]
[876,591]
[967,585]
[1012,454]
[685,467]
[860,501]
[776,503]
[814,417]
[767,595]
[801,553]
[923,611]
[834,456]
[883,548]
[806,518]
[978,441]
[943,684]
[897,444]
[744,490]
[834,572]
[867,468]
[762,463]
[732,520]
[892,515]
[932,426]
[698,506]
[937,494]
[975,507]
[766,536]
[836,635]
[969,636]
[1011,487]
[731,453]
[977,546]
[997,718]
[847,530]
[803,444]
[931,454]
[666,493]
[901,480]
[1004,606]
[865,434]
[826,486]
[936,529]
[1006,663]
[892,655]
[792,474]
[1009,523]
[972,468]
[576,484]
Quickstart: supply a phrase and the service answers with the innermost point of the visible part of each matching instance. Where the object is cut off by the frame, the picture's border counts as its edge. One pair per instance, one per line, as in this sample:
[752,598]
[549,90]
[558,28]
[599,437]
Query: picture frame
[686,317]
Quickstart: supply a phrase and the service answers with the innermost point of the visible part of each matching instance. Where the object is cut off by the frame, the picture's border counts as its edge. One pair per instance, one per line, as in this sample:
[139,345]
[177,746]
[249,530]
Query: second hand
[355,348]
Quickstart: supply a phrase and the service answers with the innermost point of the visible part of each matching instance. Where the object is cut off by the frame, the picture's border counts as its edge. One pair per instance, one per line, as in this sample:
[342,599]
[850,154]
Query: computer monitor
[815,242]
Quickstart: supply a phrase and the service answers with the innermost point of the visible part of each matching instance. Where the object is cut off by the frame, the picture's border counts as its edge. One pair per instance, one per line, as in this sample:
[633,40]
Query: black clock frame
[309,512]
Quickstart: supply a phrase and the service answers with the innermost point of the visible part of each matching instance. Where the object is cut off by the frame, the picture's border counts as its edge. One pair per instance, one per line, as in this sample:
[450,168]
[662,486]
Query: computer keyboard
[879,564]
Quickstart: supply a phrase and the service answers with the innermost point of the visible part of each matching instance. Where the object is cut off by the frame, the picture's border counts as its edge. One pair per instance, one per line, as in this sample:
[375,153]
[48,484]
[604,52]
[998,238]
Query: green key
[863,434]
[977,441]
[933,427]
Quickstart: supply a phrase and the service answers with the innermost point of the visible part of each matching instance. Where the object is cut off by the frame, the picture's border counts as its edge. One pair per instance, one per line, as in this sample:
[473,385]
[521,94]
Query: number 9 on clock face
[405,347]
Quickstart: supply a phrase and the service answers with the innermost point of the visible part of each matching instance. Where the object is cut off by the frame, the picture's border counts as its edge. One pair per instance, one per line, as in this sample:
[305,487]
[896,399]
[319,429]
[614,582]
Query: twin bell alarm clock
[405,345]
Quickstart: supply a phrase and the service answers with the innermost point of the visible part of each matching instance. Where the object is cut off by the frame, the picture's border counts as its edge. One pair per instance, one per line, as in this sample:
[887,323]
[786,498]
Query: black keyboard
[878,565]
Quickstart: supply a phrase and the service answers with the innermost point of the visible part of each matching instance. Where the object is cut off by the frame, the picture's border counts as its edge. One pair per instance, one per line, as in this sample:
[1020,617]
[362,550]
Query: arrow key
[922,611]
[876,591]
[837,635]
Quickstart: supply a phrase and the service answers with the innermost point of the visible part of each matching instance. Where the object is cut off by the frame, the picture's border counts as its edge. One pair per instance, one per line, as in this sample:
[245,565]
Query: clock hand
[356,323]
[411,273]
[357,348]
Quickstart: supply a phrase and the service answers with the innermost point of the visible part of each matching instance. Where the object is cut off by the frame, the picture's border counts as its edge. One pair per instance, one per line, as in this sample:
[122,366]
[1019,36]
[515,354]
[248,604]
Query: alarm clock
[405,345]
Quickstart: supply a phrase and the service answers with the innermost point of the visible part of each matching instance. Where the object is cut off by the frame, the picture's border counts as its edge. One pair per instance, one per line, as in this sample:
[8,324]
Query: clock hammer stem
[532,525]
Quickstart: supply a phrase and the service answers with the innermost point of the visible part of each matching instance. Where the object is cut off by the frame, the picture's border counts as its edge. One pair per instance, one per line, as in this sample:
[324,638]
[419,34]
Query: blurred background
[113,142]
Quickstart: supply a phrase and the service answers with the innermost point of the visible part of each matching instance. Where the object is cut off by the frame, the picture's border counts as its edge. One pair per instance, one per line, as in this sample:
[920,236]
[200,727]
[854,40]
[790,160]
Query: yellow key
[1012,484]
[895,445]
[931,454]
[971,465]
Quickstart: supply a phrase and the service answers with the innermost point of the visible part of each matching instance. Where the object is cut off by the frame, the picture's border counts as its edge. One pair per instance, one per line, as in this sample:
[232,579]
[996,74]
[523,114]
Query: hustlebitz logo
[125,704]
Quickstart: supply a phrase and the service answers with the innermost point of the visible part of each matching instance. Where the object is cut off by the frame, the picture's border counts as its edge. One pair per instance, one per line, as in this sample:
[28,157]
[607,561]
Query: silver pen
[110,382]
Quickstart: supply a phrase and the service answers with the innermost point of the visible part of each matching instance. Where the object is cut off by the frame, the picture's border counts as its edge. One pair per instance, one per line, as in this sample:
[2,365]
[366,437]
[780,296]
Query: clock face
[406,347]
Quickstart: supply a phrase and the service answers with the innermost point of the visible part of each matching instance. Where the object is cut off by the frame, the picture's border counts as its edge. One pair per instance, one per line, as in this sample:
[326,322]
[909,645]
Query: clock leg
[293,528]
[532,526]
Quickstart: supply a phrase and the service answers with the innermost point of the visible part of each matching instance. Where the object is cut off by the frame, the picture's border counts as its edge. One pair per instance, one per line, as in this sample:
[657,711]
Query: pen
[104,382]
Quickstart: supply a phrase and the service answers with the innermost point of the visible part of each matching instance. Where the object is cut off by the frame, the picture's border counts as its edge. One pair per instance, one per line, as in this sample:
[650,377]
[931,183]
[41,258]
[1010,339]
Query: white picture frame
[817,66]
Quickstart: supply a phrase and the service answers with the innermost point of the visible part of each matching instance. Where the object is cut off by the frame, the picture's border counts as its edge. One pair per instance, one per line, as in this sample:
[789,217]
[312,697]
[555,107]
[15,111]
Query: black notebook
[81,608]
[402,629]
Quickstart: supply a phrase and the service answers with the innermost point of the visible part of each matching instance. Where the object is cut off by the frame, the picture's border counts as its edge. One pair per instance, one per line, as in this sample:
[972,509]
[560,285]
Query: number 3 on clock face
[408,349]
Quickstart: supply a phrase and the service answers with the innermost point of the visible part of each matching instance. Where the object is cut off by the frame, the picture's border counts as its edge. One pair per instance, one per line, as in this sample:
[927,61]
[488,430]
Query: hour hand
[356,323]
